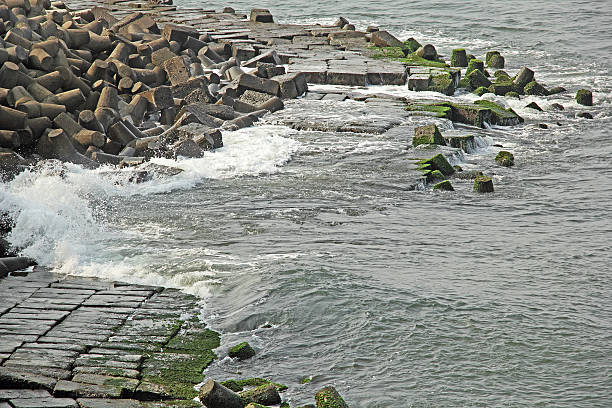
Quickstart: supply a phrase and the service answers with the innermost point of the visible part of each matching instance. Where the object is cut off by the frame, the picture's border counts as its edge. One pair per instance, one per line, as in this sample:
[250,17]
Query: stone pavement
[78,342]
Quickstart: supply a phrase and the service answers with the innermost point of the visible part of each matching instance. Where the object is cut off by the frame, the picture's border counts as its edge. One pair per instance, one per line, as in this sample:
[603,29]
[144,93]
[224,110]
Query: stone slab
[11,378]
[65,388]
[8,394]
[48,402]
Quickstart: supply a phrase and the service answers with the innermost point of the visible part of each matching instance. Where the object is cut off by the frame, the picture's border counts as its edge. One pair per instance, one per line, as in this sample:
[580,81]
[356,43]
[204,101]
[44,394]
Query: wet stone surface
[116,345]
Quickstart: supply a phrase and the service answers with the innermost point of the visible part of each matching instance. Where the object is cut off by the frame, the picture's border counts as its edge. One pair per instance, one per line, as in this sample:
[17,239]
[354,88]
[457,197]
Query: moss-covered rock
[241,351]
[483,184]
[441,110]
[534,88]
[465,143]
[429,134]
[438,162]
[476,114]
[499,115]
[584,97]
[458,58]
[477,79]
[501,88]
[464,83]
[496,61]
[444,186]
[427,51]
[481,90]
[475,64]
[412,45]
[435,176]
[505,158]
[238,385]
[398,54]
[264,394]
[512,94]
[328,397]
[502,76]
[442,82]
[524,76]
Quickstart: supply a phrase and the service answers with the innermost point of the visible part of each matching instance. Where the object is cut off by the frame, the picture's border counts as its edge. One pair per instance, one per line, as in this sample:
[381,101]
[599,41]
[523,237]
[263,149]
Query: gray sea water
[310,246]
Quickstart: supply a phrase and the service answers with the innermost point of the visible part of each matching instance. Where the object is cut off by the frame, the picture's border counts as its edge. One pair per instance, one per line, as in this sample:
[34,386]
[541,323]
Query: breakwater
[346,95]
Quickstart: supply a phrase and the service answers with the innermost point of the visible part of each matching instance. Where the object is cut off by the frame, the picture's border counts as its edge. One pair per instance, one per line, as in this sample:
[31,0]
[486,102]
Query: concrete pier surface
[78,342]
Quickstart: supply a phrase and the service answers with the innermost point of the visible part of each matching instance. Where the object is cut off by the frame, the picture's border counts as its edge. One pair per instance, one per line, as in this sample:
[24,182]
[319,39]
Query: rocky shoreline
[96,84]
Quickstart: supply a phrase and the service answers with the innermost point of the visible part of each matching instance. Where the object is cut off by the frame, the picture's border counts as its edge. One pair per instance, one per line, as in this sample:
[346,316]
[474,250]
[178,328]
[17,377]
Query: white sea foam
[56,206]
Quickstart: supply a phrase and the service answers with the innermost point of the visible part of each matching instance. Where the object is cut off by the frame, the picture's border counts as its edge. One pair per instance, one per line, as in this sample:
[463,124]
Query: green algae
[179,367]
[438,162]
[505,158]
[440,110]
[238,385]
[444,186]
[397,54]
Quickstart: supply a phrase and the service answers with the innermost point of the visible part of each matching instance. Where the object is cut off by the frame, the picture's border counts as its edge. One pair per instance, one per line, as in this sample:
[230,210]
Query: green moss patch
[397,54]
[239,385]
[439,162]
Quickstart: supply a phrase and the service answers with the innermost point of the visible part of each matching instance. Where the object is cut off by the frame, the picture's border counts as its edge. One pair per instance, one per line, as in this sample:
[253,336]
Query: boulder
[428,52]
[483,184]
[459,58]
[534,88]
[264,394]
[442,82]
[241,351]
[533,105]
[384,39]
[481,90]
[444,186]
[477,79]
[496,61]
[584,97]
[251,82]
[429,134]
[475,64]
[328,397]
[214,395]
[524,77]
[261,16]
[438,162]
[504,158]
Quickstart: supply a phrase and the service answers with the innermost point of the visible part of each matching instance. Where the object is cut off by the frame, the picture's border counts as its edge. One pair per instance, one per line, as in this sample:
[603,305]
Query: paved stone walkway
[69,342]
